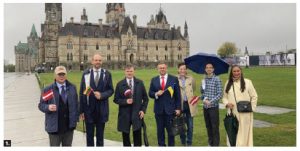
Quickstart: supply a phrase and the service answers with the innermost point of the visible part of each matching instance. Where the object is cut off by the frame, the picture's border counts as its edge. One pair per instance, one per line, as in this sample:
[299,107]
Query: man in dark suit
[131,96]
[95,89]
[165,105]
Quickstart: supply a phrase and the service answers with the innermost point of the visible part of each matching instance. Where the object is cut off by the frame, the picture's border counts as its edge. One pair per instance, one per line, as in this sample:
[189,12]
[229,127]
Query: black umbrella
[231,126]
[146,142]
[198,62]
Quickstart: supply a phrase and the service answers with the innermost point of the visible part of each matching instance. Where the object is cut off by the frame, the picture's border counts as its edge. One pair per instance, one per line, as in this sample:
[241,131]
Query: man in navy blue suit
[165,105]
[95,89]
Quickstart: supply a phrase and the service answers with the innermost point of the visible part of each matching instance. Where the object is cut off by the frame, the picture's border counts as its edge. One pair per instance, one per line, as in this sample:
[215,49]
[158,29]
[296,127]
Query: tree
[227,49]
[9,68]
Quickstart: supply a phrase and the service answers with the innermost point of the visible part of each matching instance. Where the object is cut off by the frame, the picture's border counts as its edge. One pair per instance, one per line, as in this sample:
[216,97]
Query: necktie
[130,83]
[97,77]
[184,90]
[63,93]
[162,82]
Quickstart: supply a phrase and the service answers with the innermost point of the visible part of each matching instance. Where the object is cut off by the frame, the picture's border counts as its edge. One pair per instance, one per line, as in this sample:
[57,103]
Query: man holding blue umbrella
[211,89]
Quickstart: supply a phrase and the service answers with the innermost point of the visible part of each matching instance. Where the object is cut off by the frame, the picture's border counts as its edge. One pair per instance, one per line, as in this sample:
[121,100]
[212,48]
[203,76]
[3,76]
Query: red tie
[162,83]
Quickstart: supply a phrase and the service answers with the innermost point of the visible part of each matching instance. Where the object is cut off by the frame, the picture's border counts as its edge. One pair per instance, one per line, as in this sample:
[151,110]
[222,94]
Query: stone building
[26,54]
[119,40]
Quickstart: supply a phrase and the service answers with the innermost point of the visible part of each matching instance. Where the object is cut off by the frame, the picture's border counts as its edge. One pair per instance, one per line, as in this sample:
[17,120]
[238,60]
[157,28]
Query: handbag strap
[234,93]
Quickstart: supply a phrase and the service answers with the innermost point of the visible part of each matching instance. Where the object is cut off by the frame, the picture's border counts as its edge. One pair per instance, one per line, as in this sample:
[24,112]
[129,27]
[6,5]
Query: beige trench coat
[190,86]
[245,132]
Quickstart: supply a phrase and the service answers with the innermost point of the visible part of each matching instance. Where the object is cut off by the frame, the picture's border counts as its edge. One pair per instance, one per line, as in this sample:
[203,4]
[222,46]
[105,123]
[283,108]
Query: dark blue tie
[63,94]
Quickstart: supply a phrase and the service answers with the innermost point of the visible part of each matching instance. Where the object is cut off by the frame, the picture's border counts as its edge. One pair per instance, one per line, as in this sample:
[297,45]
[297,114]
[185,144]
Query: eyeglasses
[61,74]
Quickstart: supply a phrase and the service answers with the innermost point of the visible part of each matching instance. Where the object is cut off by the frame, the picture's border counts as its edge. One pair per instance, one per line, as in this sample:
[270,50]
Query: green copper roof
[21,47]
[33,31]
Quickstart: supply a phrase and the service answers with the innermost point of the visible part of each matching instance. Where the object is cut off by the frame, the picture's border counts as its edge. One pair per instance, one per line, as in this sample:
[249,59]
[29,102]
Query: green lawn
[275,87]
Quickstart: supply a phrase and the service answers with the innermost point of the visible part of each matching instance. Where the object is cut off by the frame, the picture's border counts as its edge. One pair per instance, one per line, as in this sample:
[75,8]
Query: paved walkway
[266,110]
[23,121]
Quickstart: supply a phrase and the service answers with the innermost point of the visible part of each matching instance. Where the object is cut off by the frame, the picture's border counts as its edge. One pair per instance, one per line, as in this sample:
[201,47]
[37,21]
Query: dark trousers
[65,139]
[90,129]
[187,137]
[211,116]
[164,121]
[137,138]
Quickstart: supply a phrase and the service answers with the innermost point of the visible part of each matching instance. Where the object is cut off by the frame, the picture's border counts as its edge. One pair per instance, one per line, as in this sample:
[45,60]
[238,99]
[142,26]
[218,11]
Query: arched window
[97,46]
[71,57]
[156,47]
[68,57]
[166,47]
[85,57]
[179,46]
[69,45]
[108,46]
[85,46]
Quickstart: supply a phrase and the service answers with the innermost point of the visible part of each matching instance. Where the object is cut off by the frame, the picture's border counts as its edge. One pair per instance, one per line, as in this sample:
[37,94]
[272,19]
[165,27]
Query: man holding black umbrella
[211,90]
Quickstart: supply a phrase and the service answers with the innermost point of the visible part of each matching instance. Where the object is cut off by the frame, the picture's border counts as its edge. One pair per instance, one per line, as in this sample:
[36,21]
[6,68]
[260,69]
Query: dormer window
[146,35]
[85,33]
[108,34]
[166,36]
[156,36]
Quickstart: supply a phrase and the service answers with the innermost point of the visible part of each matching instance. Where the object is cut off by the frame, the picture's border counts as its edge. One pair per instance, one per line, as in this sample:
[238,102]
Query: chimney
[134,21]
[100,24]
[72,20]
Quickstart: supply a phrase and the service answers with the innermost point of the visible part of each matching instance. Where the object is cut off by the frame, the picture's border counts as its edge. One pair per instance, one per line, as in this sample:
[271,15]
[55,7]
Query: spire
[246,51]
[186,34]
[33,32]
[84,17]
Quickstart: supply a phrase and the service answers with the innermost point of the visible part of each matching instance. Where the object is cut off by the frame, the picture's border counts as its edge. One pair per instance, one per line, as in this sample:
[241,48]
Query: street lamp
[81,66]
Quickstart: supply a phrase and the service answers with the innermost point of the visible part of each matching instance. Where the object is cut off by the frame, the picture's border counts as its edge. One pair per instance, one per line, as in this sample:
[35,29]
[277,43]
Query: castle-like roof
[21,47]
[109,31]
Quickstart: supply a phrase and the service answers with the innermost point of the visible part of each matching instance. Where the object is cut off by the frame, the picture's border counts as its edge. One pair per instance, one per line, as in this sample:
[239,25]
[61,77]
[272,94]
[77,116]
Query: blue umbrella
[198,61]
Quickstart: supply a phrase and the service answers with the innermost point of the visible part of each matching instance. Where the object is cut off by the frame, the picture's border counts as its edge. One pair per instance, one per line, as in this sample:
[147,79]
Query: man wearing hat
[59,102]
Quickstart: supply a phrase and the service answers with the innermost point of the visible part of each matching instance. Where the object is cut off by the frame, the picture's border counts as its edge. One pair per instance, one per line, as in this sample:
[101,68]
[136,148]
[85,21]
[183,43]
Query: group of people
[173,96]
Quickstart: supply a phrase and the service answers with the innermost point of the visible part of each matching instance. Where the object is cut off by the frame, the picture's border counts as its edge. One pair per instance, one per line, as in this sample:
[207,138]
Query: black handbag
[178,125]
[242,106]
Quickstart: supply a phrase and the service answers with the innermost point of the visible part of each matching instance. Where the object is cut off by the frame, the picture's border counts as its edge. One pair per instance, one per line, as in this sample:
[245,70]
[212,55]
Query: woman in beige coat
[244,90]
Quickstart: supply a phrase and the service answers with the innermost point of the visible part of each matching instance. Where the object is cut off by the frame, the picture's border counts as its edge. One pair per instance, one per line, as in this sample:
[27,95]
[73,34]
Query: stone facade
[119,40]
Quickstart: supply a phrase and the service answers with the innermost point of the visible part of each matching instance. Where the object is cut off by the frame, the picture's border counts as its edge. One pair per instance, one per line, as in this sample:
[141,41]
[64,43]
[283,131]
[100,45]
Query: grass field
[275,87]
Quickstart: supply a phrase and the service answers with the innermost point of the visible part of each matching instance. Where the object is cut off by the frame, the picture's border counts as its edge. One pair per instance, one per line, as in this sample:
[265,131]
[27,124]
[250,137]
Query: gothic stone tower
[49,39]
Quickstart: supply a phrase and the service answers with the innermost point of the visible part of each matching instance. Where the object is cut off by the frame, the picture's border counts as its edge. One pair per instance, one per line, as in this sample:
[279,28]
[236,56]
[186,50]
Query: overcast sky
[260,27]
